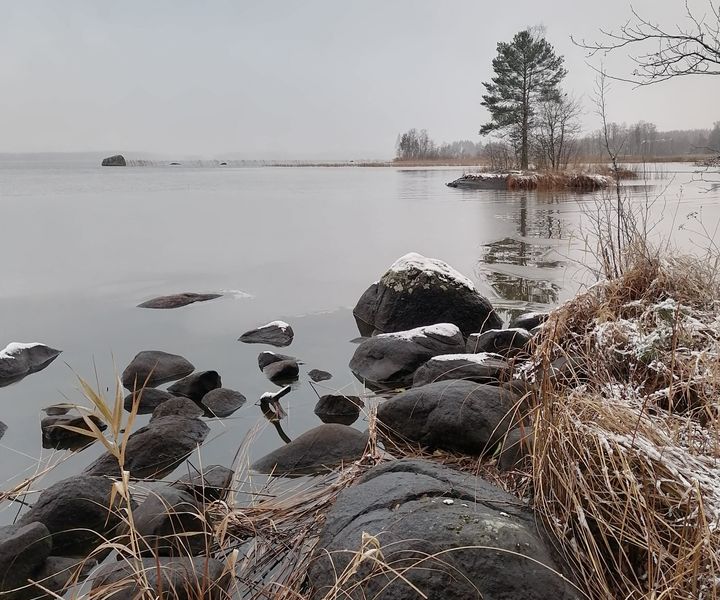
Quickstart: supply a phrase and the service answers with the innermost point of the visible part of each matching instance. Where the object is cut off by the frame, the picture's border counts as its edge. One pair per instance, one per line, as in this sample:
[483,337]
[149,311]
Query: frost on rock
[404,273]
[447,330]
[281,325]
[480,358]
[14,348]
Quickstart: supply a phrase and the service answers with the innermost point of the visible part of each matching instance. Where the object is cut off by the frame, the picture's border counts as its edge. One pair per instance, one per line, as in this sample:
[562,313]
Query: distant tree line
[416,145]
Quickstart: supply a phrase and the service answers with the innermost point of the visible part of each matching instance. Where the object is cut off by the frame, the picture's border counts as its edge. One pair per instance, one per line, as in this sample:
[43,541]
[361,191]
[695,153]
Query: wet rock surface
[150,368]
[267,358]
[19,359]
[177,300]
[480,368]
[195,386]
[505,342]
[451,415]
[178,406]
[491,547]
[282,372]
[77,513]
[56,435]
[222,402]
[336,408]
[317,375]
[148,399]
[317,450]
[418,291]
[390,360]
[155,450]
[168,578]
[276,333]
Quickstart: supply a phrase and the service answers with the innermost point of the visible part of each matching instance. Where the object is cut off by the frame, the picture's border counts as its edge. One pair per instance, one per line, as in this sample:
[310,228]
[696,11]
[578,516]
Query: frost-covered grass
[626,463]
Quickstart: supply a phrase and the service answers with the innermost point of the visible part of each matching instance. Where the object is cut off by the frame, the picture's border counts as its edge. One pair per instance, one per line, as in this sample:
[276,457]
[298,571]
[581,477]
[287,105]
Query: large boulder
[18,360]
[55,432]
[419,291]
[337,408]
[150,368]
[177,300]
[117,160]
[23,549]
[77,512]
[480,368]
[155,450]
[170,522]
[317,450]
[222,402]
[443,533]
[452,415]
[195,386]
[57,574]
[505,342]
[276,333]
[168,579]
[390,360]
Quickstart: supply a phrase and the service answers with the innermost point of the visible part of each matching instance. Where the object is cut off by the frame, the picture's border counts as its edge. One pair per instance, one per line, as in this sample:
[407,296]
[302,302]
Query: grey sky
[314,79]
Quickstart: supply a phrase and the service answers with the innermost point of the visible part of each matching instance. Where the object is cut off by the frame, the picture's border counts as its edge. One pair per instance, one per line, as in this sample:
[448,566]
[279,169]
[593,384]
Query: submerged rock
[151,368]
[23,550]
[505,342]
[267,358]
[336,408]
[19,359]
[222,402]
[56,435]
[419,291]
[317,450]
[3,429]
[480,368]
[195,386]
[452,535]
[177,300]
[168,579]
[77,513]
[451,415]
[282,372]
[390,360]
[155,450]
[276,333]
[117,160]
[212,484]
[317,375]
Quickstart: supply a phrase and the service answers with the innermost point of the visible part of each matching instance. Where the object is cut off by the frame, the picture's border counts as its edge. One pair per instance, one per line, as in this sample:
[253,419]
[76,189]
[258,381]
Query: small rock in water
[148,400]
[317,450]
[277,333]
[195,386]
[3,429]
[178,300]
[282,372]
[19,359]
[212,484]
[317,375]
[267,358]
[506,342]
[336,408]
[222,402]
[117,160]
[177,406]
[529,320]
[150,368]
[58,409]
[56,435]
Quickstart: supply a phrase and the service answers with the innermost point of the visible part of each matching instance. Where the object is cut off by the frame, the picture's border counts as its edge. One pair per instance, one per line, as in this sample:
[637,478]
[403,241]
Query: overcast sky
[303,79]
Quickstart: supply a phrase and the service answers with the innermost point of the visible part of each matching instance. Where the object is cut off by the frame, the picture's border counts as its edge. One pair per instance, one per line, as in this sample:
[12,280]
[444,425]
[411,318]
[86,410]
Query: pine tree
[527,72]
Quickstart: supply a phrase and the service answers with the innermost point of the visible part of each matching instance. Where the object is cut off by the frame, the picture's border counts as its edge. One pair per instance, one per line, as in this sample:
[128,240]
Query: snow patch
[14,348]
[440,329]
[430,266]
[239,294]
[281,325]
[480,358]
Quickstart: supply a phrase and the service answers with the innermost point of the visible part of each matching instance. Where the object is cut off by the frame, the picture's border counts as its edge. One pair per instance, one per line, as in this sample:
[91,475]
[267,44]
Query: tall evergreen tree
[527,72]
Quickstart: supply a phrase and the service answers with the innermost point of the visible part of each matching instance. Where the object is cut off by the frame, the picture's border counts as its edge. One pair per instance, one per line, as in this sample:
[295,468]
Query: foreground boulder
[489,547]
[23,549]
[505,342]
[168,579]
[336,408]
[451,415]
[277,333]
[419,291]
[177,300]
[77,513]
[150,368]
[117,160]
[222,402]
[155,450]
[55,432]
[390,360]
[317,450]
[195,386]
[480,368]
[18,360]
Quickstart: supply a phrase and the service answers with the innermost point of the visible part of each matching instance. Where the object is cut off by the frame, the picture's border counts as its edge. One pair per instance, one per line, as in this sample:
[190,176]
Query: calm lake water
[83,245]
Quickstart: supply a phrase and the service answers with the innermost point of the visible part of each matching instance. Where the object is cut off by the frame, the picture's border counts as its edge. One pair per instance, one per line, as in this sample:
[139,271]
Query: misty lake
[83,245]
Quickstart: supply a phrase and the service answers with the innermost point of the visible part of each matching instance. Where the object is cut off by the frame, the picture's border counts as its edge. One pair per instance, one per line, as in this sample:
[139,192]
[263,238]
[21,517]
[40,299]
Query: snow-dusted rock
[480,368]
[19,359]
[276,333]
[419,291]
[506,342]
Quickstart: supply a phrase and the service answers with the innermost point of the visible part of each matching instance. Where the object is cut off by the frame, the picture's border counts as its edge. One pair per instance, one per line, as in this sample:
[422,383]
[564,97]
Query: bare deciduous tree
[664,53]
[556,130]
